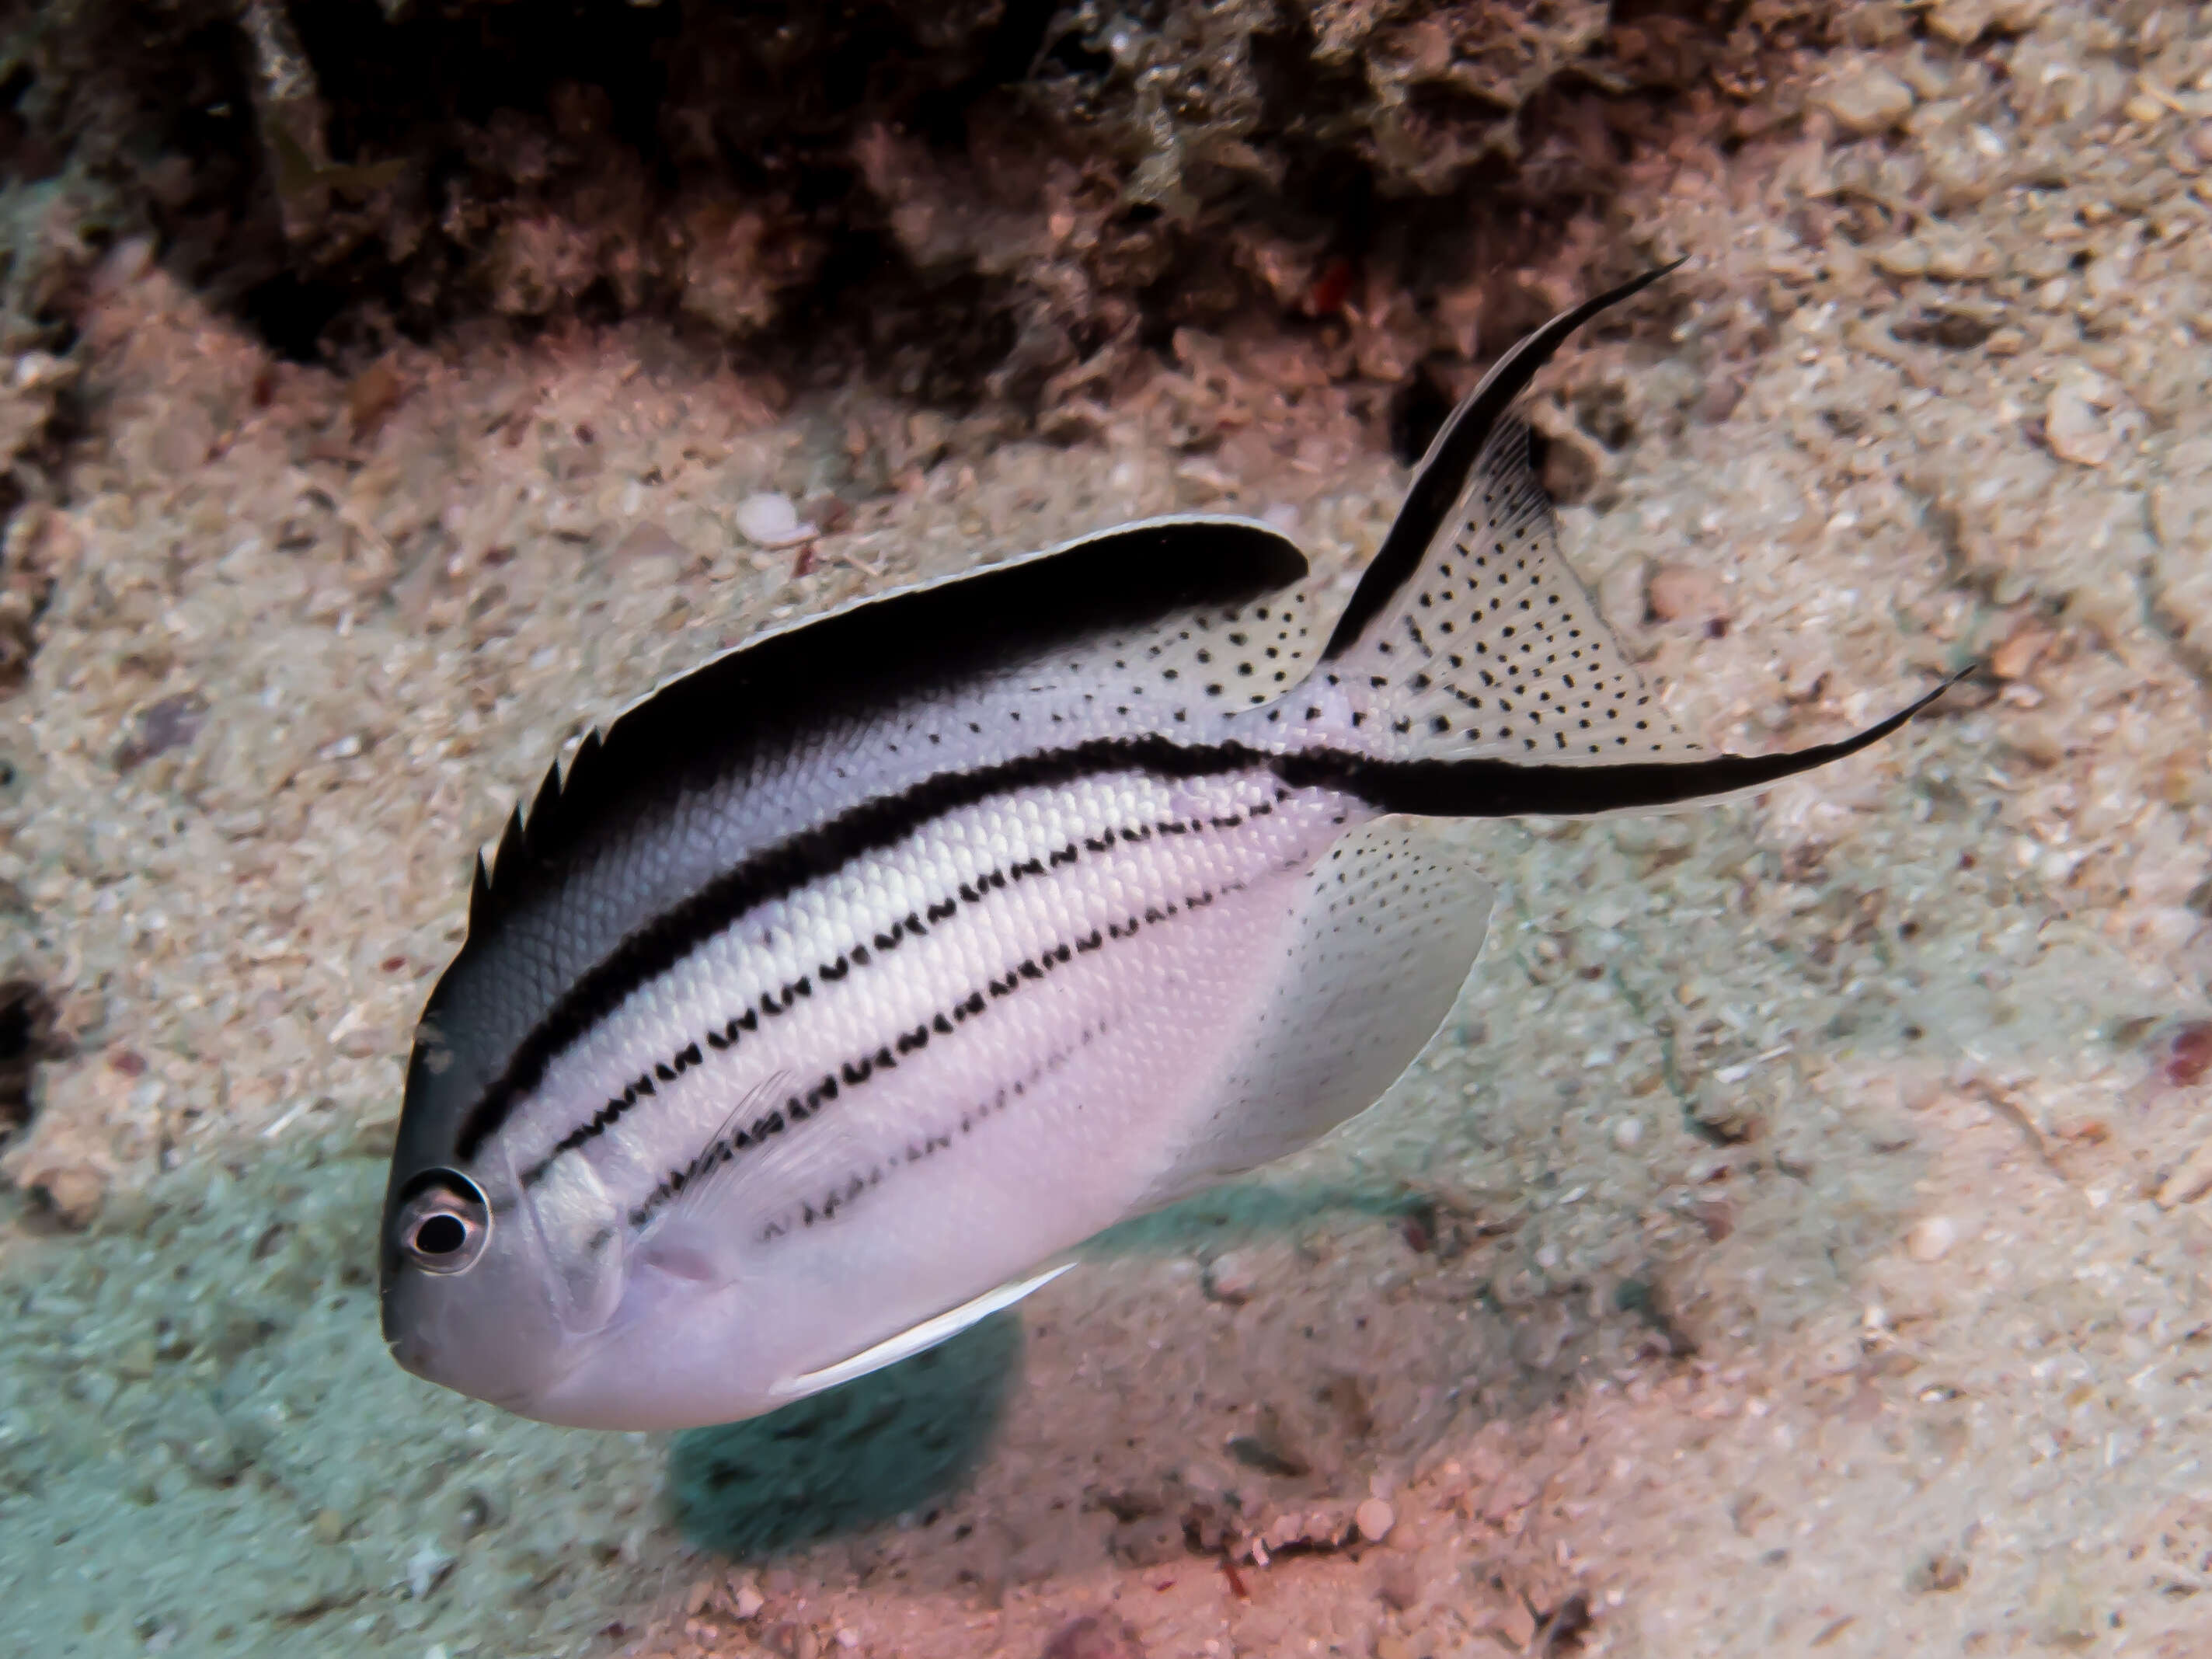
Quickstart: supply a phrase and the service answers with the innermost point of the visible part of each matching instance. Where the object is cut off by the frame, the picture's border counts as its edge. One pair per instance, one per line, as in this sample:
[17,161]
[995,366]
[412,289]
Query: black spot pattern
[1239,656]
[1494,648]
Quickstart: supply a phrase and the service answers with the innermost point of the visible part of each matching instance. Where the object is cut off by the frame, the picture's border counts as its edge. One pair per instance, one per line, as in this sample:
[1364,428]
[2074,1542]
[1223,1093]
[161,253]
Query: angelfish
[846,983]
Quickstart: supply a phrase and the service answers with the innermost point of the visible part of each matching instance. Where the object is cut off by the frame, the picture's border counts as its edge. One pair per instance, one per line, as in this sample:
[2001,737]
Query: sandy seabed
[1796,1242]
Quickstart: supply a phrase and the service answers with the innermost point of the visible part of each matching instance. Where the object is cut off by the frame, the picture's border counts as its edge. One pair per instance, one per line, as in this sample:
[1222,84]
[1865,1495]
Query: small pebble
[169,724]
[1962,21]
[1866,98]
[1680,592]
[1937,1572]
[770,520]
[1375,1518]
[2189,1054]
[2074,420]
[1628,1134]
[2191,1181]
[73,1193]
[371,395]
[2012,659]
[1232,1278]
[848,1639]
[426,1569]
[747,1602]
[648,541]
[1957,258]
[1716,1215]
[1903,257]
[2107,278]
[1931,1238]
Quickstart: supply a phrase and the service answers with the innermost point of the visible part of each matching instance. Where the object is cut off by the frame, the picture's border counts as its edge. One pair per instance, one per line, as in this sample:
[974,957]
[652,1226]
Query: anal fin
[1388,926]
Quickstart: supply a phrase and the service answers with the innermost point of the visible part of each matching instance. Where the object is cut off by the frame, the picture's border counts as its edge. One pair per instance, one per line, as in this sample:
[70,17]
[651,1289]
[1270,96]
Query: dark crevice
[709,164]
[1417,410]
[292,315]
[26,1037]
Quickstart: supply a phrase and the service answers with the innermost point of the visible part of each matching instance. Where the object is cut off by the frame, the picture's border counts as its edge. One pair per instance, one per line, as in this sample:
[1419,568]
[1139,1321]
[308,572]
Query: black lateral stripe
[870,827]
[1440,788]
[1453,455]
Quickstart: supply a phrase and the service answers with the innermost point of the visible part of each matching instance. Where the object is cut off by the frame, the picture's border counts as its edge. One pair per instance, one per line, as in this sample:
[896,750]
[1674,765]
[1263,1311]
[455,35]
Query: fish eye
[443,1227]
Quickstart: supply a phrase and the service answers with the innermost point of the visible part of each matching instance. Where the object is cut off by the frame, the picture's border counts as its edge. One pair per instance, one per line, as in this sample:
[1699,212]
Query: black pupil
[440,1234]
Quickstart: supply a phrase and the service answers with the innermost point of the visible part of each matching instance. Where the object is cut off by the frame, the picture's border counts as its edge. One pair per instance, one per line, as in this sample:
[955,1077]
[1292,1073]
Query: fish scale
[845,984]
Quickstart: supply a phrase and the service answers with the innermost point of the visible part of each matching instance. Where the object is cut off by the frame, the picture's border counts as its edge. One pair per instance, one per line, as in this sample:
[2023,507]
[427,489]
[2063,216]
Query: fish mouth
[413,1357]
[409,1354]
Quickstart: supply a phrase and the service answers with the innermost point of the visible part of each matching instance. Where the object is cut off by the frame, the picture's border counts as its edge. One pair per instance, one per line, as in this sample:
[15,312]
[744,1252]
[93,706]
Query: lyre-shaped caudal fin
[1474,666]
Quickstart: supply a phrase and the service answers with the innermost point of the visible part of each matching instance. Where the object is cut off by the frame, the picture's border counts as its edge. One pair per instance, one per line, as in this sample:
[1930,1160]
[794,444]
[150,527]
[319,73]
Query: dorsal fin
[705,724]
[1469,637]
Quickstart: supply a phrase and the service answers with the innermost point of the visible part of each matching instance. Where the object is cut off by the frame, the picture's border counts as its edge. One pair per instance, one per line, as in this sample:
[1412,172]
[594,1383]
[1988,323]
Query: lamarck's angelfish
[845,984]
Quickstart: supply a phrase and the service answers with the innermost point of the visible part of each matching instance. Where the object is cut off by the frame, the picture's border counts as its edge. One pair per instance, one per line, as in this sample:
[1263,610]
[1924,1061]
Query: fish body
[847,982]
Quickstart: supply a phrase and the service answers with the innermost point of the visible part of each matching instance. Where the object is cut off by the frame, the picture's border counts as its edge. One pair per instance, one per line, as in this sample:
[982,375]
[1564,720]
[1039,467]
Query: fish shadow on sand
[1254,1209]
[908,1439]
[853,1457]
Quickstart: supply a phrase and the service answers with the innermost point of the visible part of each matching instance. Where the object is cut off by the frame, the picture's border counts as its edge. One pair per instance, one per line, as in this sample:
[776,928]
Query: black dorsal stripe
[1464,788]
[1443,470]
[681,739]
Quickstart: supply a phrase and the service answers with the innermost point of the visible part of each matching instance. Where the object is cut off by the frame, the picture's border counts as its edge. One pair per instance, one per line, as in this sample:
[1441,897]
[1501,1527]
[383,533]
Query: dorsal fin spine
[541,807]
